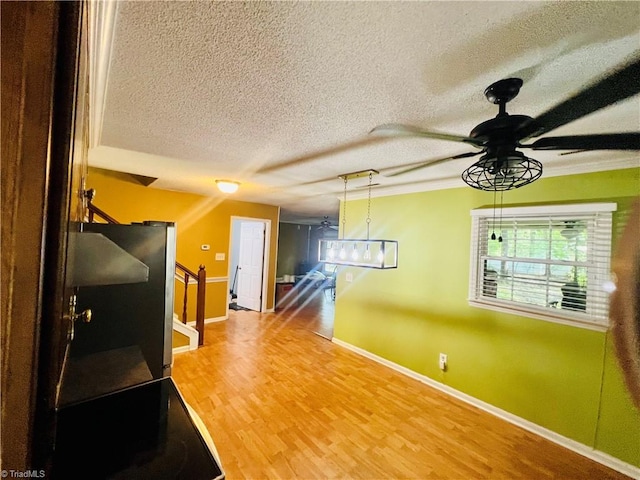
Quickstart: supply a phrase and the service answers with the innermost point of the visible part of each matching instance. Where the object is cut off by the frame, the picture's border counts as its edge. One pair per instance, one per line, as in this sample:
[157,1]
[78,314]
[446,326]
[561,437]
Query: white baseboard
[182,349]
[580,448]
[210,320]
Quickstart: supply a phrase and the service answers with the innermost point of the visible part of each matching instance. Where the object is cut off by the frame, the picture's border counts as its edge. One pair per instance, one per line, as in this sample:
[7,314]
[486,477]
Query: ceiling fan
[326,224]
[502,165]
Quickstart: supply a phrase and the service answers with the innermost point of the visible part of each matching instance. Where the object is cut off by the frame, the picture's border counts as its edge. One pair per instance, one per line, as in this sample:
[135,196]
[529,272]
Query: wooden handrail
[93,211]
[191,273]
[200,277]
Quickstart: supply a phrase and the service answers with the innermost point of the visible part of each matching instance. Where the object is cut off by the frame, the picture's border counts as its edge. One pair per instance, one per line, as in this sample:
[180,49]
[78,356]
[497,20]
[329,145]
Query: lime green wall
[561,377]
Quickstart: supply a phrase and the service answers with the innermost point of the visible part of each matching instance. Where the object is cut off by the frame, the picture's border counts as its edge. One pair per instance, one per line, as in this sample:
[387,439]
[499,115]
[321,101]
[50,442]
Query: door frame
[46,41]
[265,256]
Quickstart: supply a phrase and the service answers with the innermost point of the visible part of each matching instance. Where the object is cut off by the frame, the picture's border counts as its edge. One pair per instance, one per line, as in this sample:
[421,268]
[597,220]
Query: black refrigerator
[119,413]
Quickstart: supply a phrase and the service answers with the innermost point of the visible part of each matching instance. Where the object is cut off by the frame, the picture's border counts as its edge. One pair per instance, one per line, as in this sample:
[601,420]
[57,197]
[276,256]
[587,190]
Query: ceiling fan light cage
[499,175]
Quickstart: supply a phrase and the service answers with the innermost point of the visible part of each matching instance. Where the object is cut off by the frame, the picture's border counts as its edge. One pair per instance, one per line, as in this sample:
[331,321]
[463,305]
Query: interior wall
[235,252]
[199,220]
[298,247]
[292,247]
[561,377]
[318,234]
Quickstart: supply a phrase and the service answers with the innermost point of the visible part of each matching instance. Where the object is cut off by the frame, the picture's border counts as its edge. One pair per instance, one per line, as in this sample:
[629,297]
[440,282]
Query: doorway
[248,265]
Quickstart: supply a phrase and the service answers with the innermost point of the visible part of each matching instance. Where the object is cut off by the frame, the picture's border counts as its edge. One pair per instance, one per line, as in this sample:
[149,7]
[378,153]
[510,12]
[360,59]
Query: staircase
[189,276]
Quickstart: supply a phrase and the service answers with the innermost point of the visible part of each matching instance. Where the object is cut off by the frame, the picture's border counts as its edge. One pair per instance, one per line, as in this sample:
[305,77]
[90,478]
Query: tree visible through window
[534,262]
[553,263]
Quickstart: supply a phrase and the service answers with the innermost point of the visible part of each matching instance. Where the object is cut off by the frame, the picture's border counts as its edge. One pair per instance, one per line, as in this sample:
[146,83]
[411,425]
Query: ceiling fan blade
[612,141]
[361,142]
[399,130]
[573,152]
[430,163]
[621,84]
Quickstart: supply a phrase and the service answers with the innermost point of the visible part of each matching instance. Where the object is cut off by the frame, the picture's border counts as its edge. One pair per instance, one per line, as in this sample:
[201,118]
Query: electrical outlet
[442,362]
[348,277]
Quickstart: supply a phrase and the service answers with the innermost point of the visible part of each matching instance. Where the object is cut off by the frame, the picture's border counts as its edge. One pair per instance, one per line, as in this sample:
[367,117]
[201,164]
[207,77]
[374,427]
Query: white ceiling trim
[133,162]
[102,18]
[589,166]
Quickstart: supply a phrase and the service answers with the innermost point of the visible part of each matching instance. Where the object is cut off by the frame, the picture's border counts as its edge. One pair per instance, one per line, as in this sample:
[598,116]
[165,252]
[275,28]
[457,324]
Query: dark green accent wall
[298,247]
[561,377]
[292,247]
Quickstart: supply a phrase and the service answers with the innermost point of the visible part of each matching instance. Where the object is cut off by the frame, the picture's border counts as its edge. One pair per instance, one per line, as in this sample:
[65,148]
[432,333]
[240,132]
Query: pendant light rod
[344,209]
[350,176]
[369,204]
[359,252]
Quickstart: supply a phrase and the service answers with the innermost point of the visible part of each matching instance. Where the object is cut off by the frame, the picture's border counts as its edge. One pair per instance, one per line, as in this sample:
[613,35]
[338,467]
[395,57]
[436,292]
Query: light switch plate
[219,256]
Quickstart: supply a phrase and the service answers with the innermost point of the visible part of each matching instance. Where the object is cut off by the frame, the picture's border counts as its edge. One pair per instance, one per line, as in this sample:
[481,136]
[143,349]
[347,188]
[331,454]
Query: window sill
[540,315]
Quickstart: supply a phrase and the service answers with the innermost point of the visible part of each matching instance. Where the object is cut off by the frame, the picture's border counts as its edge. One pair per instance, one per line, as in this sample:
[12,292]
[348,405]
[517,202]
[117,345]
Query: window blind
[553,264]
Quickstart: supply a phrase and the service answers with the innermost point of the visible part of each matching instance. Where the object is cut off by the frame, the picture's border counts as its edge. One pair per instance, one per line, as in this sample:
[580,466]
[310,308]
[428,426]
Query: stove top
[144,432]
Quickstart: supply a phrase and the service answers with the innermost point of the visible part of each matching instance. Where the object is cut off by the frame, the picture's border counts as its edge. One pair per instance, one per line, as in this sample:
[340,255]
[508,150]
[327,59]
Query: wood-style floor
[280,401]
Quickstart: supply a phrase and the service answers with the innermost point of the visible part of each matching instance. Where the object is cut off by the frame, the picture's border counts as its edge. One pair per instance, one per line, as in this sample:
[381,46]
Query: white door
[250,265]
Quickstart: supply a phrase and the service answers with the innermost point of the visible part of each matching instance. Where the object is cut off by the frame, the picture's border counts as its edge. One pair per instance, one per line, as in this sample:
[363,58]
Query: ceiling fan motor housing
[501,129]
[502,167]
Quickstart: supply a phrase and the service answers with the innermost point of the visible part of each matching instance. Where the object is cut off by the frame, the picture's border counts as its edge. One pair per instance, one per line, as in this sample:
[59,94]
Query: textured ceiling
[253,91]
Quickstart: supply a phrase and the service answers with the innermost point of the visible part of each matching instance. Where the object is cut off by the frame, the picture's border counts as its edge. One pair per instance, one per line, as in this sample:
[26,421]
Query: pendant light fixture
[363,252]
[498,171]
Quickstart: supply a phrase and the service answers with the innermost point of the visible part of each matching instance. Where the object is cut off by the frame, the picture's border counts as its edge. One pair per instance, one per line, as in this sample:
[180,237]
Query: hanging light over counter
[363,252]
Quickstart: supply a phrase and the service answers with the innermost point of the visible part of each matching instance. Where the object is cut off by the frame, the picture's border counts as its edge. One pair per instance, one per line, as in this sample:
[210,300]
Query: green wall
[293,240]
[563,378]
[298,245]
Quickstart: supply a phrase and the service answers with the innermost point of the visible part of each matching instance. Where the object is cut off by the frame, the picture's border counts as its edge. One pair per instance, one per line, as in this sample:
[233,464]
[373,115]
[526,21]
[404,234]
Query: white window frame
[603,211]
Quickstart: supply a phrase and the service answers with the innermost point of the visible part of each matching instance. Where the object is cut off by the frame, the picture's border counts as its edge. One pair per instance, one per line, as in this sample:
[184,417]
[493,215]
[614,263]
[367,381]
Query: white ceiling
[198,91]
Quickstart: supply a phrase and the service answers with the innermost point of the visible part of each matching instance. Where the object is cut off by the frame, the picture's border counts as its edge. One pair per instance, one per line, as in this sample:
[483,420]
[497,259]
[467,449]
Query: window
[552,263]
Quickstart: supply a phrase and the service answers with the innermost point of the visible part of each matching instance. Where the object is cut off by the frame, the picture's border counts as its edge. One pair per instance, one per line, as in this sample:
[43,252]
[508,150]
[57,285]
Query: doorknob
[85,315]
[72,316]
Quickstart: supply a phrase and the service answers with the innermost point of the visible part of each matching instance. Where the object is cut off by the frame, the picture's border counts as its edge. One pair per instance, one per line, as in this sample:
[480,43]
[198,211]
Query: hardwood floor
[316,310]
[280,401]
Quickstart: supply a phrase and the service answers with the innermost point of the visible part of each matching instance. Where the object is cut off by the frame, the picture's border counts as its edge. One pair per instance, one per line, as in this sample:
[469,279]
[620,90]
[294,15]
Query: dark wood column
[39,76]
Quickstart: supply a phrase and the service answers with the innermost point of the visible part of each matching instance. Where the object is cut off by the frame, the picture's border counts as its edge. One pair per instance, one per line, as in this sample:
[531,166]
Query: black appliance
[128,339]
[143,432]
[119,413]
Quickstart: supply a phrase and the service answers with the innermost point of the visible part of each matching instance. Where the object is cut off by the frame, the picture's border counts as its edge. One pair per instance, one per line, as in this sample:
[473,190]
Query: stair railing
[201,281]
[189,276]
